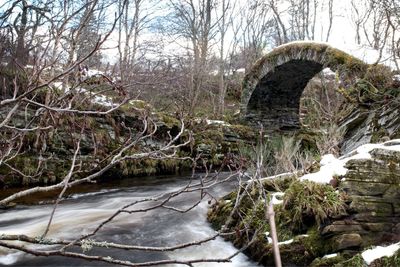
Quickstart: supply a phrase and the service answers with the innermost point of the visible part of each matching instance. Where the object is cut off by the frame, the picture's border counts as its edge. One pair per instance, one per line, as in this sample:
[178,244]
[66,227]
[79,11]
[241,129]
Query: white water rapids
[80,213]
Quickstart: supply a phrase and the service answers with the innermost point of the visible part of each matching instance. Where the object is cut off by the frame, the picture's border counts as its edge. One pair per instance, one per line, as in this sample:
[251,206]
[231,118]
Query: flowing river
[79,213]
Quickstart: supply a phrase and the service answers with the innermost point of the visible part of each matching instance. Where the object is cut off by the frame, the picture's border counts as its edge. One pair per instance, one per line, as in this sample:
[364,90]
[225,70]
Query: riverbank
[346,207]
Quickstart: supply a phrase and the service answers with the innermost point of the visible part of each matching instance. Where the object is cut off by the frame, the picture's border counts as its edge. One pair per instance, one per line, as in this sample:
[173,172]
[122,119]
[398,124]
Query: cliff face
[371,124]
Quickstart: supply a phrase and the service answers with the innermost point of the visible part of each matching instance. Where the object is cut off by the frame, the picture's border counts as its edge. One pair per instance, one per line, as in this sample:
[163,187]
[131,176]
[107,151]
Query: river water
[79,213]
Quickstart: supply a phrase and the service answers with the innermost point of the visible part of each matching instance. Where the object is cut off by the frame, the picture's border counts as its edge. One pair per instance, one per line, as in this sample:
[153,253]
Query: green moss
[245,132]
[356,261]
[219,212]
[309,203]
[315,244]
[169,120]
[136,104]
[279,184]
[308,140]
[327,262]
[379,76]
[344,62]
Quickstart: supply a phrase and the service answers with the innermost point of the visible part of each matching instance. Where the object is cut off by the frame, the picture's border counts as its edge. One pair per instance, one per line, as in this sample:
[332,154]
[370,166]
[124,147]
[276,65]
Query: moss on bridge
[306,58]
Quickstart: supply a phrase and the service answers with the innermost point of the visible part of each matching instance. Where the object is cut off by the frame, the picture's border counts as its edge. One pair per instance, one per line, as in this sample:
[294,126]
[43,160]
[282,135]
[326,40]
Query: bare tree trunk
[21,52]
[221,80]
[330,8]
[274,235]
[279,20]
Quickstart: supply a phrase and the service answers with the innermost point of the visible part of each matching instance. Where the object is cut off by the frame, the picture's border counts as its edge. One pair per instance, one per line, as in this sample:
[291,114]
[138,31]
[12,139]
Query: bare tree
[136,16]
[30,17]
[330,12]
[358,16]
[194,21]
[303,19]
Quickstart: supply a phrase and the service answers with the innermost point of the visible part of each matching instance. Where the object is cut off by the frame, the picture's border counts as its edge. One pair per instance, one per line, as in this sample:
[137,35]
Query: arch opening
[275,101]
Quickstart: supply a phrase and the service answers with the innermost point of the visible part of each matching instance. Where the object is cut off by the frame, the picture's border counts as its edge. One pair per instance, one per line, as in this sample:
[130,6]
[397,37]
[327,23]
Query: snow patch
[330,256]
[269,239]
[96,98]
[275,196]
[332,166]
[285,242]
[94,72]
[328,73]
[217,122]
[10,258]
[378,252]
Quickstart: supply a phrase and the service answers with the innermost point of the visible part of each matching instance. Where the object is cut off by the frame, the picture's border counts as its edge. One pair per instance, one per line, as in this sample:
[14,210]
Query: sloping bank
[334,217]
[103,135]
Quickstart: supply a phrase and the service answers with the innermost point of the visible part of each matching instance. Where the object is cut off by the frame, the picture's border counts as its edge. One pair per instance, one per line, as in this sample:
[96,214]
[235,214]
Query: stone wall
[371,125]
[373,187]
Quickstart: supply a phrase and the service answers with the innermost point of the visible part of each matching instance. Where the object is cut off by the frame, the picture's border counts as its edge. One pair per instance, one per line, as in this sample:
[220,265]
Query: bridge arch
[272,89]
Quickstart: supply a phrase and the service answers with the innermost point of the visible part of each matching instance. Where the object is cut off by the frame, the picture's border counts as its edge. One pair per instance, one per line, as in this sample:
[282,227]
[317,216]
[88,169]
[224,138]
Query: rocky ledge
[327,218]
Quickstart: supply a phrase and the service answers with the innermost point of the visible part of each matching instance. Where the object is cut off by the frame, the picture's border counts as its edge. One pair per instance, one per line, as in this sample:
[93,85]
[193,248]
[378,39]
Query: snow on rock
[275,196]
[94,72]
[57,85]
[217,122]
[269,239]
[286,242]
[103,100]
[10,258]
[378,252]
[241,70]
[332,166]
[330,256]
[328,73]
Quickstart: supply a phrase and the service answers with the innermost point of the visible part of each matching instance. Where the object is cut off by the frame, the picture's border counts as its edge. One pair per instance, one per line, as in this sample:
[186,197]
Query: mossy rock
[280,183]
[245,133]
[355,261]
[327,262]
[219,212]
[168,120]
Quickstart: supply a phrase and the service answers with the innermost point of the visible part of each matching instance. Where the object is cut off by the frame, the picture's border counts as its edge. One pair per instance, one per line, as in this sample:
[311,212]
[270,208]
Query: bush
[379,76]
[309,202]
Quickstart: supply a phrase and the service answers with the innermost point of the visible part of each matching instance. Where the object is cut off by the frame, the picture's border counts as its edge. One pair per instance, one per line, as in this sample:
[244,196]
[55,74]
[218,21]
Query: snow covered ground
[93,97]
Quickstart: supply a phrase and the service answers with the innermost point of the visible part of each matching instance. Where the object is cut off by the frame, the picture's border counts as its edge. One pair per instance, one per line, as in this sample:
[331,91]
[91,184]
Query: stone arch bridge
[272,89]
